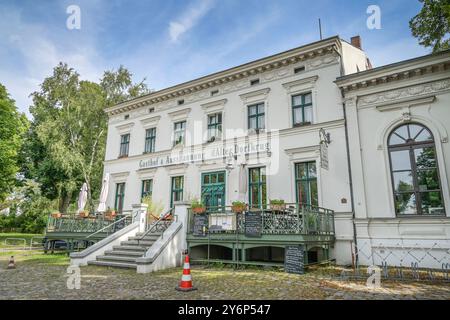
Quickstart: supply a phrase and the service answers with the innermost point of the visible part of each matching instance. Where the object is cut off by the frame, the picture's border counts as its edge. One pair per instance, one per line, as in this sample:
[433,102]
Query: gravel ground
[47,279]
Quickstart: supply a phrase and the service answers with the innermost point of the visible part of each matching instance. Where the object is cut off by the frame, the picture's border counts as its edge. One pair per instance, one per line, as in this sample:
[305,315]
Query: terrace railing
[294,219]
[93,224]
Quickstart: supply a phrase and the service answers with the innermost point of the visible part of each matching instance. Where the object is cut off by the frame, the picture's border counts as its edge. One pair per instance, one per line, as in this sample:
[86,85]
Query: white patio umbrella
[103,194]
[82,199]
[242,182]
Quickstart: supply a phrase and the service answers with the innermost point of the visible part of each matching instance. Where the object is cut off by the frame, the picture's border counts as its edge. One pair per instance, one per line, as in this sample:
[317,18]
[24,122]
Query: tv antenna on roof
[320,29]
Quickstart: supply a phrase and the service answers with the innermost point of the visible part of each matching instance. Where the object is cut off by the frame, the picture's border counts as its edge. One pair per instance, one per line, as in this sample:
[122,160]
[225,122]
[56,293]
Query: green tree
[12,127]
[68,134]
[432,25]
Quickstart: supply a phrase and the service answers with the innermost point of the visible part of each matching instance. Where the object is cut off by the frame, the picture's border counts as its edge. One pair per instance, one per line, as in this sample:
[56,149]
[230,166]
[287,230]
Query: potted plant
[198,207]
[238,206]
[110,213]
[56,214]
[277,205]
[84,214]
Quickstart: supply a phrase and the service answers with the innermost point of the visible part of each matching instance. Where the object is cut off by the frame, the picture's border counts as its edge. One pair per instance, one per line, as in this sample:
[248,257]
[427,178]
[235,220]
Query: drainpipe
[352,201]
[347,145]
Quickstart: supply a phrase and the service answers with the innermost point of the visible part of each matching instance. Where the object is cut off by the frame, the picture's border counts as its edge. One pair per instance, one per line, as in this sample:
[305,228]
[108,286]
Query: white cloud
[189,19]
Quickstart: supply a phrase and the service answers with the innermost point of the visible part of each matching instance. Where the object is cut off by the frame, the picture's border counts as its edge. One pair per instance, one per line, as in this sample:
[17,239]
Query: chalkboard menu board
[200,222]
[253,224]
[294,259]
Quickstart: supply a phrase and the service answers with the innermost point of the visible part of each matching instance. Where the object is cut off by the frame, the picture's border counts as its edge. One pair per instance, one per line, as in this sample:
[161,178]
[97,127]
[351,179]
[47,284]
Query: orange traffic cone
[11,264]
[186,278]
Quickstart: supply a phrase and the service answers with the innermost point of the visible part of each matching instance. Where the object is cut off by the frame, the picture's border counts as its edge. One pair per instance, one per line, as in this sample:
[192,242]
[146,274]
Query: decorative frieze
[403,93]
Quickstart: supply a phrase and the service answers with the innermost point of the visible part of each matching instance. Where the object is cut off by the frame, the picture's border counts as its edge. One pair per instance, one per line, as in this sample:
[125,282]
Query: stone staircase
[125,255]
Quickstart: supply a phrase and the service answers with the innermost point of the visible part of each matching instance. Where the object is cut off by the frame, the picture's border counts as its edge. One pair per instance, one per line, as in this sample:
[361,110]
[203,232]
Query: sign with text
[324,156]
[253,224]
[200,225]
[188,155]
[294,259]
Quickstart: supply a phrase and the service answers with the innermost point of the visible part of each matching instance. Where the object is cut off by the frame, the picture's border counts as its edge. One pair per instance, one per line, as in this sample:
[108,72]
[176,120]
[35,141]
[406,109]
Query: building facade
[398,120]
[251,133]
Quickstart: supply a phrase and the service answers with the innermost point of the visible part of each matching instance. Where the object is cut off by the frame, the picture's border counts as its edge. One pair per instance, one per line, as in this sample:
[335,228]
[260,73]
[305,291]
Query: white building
[398,122]
[255,132]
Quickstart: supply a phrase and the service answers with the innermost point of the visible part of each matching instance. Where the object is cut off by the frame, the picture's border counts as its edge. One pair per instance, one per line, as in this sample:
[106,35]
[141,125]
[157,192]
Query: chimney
[356,42]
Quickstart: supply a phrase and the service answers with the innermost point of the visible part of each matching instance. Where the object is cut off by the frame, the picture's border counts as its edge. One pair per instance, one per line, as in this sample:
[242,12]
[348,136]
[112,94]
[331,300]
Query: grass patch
[26,236]
[35,257]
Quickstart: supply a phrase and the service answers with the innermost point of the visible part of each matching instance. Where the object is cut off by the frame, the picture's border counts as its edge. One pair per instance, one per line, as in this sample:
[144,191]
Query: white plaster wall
[376,222]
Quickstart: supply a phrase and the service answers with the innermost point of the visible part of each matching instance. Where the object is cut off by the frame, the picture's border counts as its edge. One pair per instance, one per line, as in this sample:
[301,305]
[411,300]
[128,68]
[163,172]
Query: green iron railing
[74,224]
[294,219]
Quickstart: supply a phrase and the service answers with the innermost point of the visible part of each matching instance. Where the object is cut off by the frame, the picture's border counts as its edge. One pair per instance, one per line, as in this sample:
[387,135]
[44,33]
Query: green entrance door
[213,189]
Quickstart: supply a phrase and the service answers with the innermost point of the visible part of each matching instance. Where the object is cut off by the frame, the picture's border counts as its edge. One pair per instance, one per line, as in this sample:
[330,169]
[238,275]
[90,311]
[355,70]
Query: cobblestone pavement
[43,280]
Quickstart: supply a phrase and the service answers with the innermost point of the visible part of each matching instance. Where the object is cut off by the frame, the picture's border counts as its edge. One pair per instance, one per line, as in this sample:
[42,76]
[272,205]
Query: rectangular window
[150,139]
[302,109]
[124,145]
[214,93]
[256,116]
[299,69]
[120,196]
[214,126]
[254,82]
[179,133]
[257,188]
[147,188]
[306,183]
[176,193]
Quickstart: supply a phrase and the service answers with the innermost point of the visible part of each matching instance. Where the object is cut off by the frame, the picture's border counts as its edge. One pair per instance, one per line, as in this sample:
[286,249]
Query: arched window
[415,171]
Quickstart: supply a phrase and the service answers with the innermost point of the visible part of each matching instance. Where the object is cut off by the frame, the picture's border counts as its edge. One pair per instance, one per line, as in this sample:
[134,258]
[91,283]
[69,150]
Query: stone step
[113,264]
[156,233]
[141,243]
[117,258]
[130,248]
[128,253]
[147,237]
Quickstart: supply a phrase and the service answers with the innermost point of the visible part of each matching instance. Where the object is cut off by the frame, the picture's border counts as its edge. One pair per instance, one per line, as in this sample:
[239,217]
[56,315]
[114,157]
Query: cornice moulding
[320,48]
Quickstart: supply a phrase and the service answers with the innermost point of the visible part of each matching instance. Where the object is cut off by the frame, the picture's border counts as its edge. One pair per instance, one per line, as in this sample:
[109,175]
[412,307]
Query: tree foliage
[66,142]
[12,127]
[432,25]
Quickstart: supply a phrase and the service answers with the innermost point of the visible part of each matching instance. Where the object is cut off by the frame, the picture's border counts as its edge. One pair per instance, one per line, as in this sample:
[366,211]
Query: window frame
[121,195]
[124,145]
[308,180]
[261,196]
[302,106]
[179,133]
[257,115]
[411,146]
[150,140]
[176,190]
[143,187]
[217,126]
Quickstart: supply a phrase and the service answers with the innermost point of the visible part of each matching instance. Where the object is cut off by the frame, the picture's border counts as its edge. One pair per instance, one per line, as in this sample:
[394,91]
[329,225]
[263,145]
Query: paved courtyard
[45,277]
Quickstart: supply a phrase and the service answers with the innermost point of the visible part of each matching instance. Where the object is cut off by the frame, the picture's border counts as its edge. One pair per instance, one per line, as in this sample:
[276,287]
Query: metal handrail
[168,213]
[108,226]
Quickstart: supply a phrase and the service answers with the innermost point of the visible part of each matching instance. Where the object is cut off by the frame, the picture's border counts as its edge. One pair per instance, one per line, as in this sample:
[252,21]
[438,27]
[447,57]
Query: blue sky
[172,41]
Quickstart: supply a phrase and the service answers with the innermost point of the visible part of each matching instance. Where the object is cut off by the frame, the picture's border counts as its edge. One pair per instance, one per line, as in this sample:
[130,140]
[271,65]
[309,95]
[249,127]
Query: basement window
[254,82]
